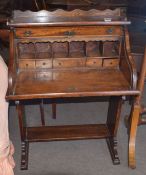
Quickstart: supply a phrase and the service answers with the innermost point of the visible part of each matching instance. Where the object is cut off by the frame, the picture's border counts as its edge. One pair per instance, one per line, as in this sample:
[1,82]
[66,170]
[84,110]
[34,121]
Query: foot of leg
[24,155]
[112,145]
[132,136]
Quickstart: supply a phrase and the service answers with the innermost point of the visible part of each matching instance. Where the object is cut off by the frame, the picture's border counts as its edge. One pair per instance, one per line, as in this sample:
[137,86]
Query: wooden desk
[75,54]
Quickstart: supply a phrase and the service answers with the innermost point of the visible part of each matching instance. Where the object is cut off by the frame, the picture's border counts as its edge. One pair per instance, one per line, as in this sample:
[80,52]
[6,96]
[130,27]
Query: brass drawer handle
[27,33]
[69,33]
[72,89]
[110,31]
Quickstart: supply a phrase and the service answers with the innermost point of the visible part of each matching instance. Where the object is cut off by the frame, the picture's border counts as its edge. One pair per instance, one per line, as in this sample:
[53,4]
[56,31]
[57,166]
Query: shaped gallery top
[66,18]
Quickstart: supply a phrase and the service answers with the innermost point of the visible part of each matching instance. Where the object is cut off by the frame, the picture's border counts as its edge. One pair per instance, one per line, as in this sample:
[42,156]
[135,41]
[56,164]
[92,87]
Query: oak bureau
[70,54]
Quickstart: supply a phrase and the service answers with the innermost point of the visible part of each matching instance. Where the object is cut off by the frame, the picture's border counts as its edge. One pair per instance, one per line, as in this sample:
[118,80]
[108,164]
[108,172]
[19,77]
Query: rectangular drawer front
[111,63]
[31,64]
[44,63]
[68,62]
[94,62]
[27,64]
[68,31]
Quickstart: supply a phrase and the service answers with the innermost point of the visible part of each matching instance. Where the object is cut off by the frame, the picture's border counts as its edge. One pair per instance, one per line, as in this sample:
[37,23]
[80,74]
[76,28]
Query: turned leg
[24,143]
[135,112]
[113,118]
[24,155]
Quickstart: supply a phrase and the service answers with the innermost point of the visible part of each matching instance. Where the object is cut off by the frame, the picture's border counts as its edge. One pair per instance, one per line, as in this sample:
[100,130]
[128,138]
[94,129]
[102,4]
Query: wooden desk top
[70,83]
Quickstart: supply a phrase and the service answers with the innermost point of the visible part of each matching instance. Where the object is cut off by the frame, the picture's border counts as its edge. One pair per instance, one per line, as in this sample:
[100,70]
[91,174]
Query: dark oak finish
[64,54]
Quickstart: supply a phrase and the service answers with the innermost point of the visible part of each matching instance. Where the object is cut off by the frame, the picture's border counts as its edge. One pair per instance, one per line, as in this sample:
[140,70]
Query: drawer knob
[110,31]
[27,33]
[69,33]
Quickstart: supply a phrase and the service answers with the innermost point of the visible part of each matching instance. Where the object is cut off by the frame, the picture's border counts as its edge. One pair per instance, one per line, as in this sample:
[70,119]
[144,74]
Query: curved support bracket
[12,66]
[131,67]
[135,113]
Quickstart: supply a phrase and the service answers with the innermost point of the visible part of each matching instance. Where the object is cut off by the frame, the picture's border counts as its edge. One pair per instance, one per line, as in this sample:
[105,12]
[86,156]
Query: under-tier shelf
[69,132]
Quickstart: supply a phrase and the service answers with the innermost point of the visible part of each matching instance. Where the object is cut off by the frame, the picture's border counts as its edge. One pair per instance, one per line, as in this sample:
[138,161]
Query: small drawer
[94,62]
[26,64]
[68,31]
[44,63]
[46,31]
[111,63]
[68,62]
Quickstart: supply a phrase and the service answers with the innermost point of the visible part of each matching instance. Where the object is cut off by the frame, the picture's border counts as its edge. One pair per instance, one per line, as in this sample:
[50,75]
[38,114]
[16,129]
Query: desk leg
[24,142]
[54,110]
[135,113]
[42,113]
[113,118]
